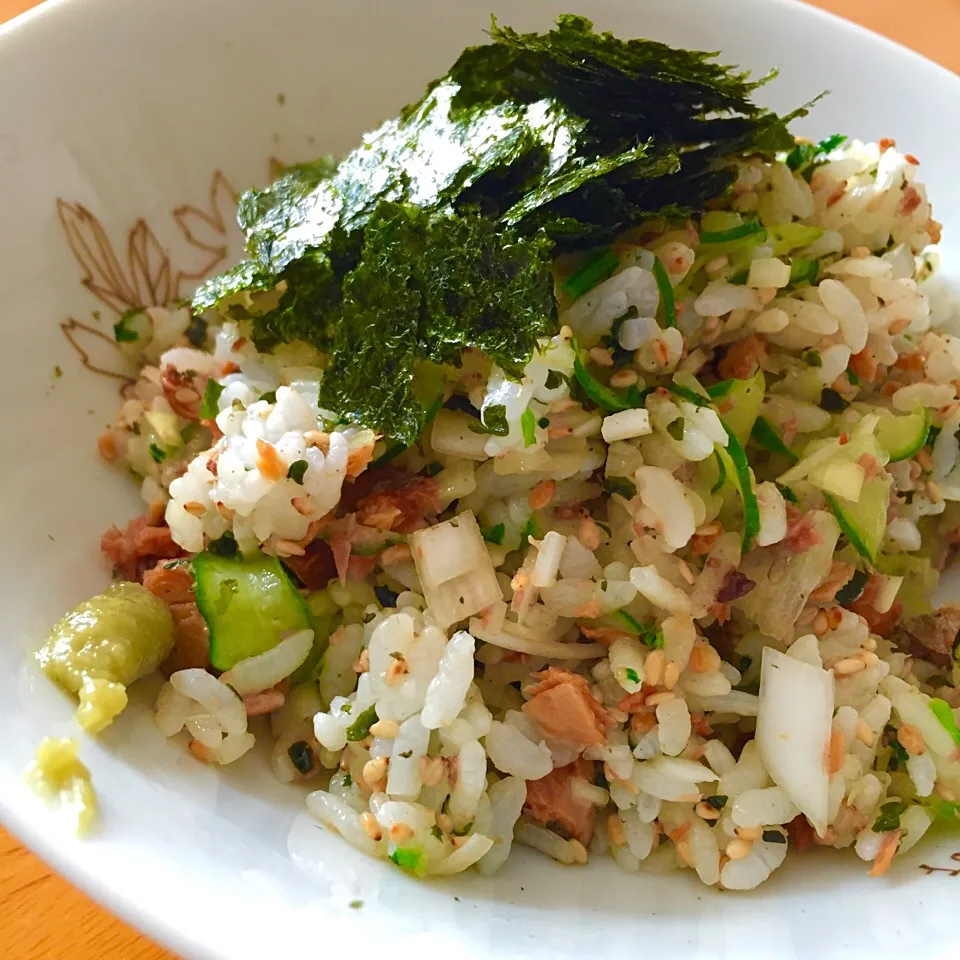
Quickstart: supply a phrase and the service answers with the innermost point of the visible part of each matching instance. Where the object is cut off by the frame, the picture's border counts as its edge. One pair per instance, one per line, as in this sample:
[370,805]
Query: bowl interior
[118,172]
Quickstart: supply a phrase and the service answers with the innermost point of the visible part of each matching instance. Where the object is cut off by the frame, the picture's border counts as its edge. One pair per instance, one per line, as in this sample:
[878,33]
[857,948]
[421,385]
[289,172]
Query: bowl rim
[28,828]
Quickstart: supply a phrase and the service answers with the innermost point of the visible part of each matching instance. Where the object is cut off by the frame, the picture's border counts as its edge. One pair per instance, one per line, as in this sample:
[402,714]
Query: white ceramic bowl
[115,118]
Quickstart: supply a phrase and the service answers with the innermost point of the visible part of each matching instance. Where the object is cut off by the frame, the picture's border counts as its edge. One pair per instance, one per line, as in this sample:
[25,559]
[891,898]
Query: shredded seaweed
[438,232]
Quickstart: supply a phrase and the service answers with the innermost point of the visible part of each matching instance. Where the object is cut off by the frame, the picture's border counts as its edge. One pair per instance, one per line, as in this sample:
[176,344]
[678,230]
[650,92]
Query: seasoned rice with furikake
[572,464]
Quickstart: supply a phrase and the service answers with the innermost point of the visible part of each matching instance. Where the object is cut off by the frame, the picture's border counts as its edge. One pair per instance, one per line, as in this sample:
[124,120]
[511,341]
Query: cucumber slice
[249,604]
[903,436]
[739,402]
[864,521]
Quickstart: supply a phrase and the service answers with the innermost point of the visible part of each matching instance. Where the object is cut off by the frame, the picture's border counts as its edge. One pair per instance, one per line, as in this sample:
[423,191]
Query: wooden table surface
[30,893]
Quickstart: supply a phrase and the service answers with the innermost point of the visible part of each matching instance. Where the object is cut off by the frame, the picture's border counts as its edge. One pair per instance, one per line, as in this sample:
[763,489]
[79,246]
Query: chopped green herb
[804,158]
[347,779]
[854,379]
[356,904]
[385,596]
[832,402]
[899,755]
[665,288]
[225,546]
[774,836]
[296,470]
[528,530]
[745,229]
[494,418]
[436,832]
[406,754]
[632,675]
[301,756]
[209,406]
[788,494]
[889,816]
[596,268]
[528,426]
[811,358]
[853,587]
[360,728]
[409,858]
[944,714]
[122,331]
[494,534]
[718,801]
[622,485]
[156,454]
[804,271]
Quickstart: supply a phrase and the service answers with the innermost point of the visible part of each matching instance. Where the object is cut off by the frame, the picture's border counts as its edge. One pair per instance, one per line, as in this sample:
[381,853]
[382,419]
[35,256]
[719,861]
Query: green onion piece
[666,293]
[941,710]
[494,534]
[360,728]
[751,509]
[722,468]
[746,229]
[632,675]
[601,395]
[811,358]
[691,396]
[156,454]
[596,268]
[721,389]
[622,485]
[528,425]
[853,378]
[209,406]
[804,271]
[764,434]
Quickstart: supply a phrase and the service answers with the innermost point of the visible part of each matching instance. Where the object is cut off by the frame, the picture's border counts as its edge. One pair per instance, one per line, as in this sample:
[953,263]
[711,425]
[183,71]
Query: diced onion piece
[549,552]
[267,669]
[768,272]
[625,425]
[455,569]
[793,731]
[451,435]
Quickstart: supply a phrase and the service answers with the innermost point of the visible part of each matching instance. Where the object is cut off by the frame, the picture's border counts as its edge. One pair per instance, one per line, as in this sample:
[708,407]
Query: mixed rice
[602,630]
